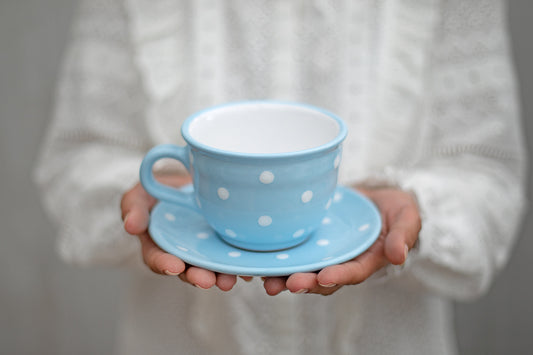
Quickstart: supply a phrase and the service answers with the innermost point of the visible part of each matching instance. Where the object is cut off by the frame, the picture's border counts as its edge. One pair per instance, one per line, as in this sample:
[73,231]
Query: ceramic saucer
[351,226]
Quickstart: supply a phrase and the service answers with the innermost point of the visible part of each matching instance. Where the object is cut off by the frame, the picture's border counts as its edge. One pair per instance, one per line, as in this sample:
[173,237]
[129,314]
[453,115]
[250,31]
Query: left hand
[136,205]
[401,225]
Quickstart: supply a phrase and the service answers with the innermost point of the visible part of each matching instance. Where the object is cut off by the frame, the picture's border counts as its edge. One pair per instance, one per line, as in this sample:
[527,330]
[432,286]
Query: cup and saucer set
[264,199]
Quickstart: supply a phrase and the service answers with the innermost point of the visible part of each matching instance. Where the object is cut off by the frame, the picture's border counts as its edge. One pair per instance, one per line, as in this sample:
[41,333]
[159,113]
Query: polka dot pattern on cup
[266,177]
[307,196]
[223,193]
[264,221]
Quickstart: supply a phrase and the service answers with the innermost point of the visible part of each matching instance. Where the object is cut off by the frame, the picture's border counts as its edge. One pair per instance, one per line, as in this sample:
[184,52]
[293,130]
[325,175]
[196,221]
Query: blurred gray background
[47,307]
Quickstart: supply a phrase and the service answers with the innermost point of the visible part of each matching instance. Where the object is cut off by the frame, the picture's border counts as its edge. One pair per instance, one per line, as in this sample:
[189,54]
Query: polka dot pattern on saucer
[350,227]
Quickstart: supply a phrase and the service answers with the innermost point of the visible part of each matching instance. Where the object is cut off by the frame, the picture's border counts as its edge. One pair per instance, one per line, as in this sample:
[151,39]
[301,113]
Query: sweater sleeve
[96,140]
[470,181]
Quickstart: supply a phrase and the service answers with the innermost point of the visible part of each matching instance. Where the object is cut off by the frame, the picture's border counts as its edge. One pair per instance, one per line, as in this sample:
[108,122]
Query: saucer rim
[232,269]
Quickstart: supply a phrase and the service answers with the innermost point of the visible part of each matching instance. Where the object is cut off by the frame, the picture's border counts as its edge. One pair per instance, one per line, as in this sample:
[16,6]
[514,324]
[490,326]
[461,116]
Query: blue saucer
[350,227]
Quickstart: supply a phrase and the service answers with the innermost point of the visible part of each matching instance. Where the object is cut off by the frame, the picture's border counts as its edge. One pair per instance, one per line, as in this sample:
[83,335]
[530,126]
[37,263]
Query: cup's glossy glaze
[264,172]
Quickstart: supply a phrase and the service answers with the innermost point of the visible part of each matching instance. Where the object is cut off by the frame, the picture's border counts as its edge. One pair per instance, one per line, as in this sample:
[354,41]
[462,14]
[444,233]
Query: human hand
[136,206]
[401,225]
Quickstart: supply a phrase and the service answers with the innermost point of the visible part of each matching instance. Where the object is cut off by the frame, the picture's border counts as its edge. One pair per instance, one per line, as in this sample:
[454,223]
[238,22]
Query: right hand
[136,205]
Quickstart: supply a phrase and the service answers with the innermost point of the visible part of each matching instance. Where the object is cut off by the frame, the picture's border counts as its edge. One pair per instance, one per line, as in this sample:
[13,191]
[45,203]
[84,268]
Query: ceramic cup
[263,172]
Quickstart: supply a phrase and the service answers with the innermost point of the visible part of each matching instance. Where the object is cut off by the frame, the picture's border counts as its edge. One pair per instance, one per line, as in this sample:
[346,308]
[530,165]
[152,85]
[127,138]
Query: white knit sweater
[428,92]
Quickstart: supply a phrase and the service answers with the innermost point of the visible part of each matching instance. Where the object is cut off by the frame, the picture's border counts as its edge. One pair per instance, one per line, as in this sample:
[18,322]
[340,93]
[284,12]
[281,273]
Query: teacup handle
[159,190]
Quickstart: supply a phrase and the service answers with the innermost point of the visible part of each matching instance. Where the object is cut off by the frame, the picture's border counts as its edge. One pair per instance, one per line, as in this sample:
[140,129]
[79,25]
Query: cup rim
[343,131]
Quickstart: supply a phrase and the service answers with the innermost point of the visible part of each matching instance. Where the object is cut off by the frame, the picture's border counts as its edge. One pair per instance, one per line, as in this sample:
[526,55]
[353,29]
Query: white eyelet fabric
[427,90]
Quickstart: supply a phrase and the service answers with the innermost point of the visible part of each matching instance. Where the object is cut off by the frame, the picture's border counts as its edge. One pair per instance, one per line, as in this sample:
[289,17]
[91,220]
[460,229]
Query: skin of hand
[136,205]
[401,225]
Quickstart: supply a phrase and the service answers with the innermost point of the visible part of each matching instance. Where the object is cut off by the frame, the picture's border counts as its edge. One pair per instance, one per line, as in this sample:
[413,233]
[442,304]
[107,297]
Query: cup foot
[262,247]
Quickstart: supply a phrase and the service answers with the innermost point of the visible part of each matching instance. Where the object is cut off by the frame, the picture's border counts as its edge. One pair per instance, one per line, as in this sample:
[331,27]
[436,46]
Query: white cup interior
[263,128]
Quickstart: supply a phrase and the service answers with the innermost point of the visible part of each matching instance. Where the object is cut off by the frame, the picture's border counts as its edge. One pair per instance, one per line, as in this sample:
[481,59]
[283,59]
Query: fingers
[163,263]
[298,283]
[157,260]
[201,278]
[136,205]
[274,285]
[206,279]
[354,271]
[402,235]
[332,278]
[302,282]
[136,220]
[226,282]
[308,283]
[401,225]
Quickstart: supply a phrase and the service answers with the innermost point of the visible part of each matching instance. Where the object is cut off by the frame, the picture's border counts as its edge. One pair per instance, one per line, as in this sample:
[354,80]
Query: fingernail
[126,218]
[200,287]
[170,273]
[406,252]
[303,290]
[328,285]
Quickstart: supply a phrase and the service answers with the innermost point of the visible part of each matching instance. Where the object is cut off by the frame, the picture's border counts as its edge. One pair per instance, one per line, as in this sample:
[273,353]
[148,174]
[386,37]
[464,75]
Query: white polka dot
[337,197]
[326,220]
[266,177]
[170,217]
[327,258]
[328,205]
[202,235]
[182,248]
[234,254]
[264,221]
[298,233]
[307,196]
[337,161]
[230,233]
[322,242]
[282,256]
[364,227]
[223,193]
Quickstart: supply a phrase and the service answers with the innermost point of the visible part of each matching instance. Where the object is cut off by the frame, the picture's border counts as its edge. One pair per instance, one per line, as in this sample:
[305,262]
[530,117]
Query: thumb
[136,205]
[402,235]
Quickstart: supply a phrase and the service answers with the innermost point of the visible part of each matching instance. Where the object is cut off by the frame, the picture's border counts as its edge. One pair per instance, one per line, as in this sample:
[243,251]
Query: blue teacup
[264,172]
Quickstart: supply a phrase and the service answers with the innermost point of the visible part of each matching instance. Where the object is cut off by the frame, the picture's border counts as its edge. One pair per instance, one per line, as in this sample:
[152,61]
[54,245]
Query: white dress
[427,90]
